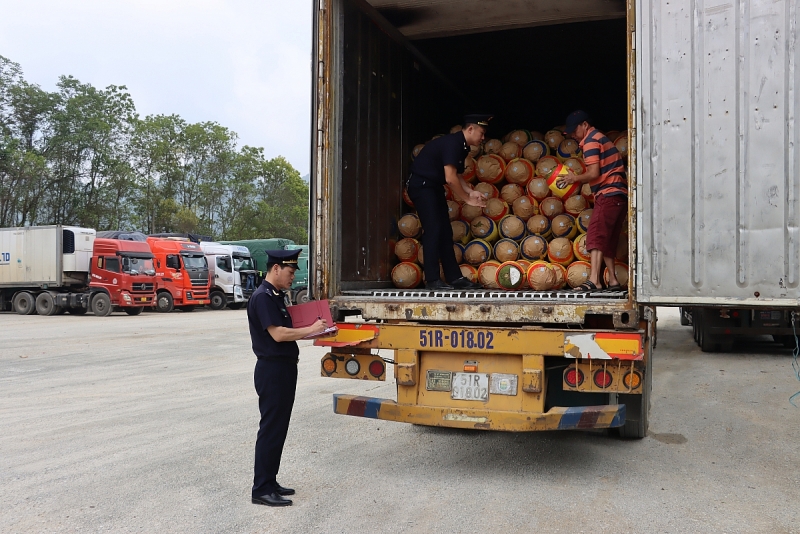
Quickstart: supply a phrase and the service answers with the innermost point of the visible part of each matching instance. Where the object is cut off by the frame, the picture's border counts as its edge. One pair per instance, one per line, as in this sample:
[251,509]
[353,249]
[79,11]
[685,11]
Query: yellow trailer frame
[424,355]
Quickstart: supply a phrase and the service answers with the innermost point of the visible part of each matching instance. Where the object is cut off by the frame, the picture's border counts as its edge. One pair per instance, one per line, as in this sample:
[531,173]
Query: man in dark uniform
[442,161]
[274,344]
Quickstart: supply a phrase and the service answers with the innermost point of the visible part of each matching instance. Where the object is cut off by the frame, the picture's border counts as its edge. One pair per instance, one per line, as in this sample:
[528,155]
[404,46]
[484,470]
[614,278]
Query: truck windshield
[195,262]
[138,266]
[243,264]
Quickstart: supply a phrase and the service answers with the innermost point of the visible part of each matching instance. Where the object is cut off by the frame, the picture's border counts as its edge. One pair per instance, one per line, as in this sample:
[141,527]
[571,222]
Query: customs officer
[275,377]
[442,161]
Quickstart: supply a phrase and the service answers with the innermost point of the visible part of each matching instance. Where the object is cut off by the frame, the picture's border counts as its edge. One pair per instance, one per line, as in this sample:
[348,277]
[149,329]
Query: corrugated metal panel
[718,165]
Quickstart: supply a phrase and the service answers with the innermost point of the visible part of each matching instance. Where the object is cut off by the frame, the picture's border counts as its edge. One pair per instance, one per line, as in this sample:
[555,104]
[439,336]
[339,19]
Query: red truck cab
[122,276]
[181,274]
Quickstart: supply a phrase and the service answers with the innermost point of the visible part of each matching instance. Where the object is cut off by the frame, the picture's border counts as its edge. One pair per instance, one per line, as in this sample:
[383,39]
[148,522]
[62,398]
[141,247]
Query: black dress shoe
[465,283]
[272,499]
[280,490]
[437,285]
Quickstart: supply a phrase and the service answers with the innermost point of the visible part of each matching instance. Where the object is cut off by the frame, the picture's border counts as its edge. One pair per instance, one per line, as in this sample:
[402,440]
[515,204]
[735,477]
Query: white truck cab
[231,272]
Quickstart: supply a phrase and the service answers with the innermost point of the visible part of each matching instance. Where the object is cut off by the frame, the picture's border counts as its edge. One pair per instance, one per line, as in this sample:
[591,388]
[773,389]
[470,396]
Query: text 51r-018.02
[456,339]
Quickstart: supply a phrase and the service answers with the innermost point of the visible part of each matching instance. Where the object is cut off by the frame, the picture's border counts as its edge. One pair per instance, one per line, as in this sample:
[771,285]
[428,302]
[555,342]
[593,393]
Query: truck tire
[101,305]
[786,341]
[685,316]
[24,303]
[218,300]
[164,302]
[637,407]
[46,305]
[301,297]
[133,310]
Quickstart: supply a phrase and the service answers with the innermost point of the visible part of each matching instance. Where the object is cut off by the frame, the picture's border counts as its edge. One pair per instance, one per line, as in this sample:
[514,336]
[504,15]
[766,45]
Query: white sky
[245,64]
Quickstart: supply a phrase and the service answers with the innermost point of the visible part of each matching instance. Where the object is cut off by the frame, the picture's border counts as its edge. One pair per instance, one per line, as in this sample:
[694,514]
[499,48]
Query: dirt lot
[147,424]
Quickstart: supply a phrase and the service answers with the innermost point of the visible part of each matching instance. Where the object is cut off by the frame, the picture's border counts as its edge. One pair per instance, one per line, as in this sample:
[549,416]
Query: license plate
[470,386]
[143,299]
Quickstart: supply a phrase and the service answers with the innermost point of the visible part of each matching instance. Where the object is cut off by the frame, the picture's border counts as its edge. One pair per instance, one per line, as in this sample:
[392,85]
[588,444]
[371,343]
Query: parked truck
[52,269]
[258,247]
[181,274]
[231,273]
[709,98]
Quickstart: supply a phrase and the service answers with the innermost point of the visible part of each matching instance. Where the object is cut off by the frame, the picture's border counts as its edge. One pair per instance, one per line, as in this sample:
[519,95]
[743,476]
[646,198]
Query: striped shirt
[597,148]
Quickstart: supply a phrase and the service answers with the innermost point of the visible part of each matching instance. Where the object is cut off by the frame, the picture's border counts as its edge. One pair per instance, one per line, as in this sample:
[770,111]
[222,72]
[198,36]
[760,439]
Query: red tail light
[573,377]
[602,379]
[376,368]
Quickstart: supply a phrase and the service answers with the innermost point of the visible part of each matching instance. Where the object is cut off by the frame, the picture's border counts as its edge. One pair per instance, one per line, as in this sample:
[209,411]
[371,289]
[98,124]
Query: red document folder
[307,314]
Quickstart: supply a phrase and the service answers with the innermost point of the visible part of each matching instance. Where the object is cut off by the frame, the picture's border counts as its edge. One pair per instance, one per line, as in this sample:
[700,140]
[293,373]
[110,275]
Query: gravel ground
[147,424]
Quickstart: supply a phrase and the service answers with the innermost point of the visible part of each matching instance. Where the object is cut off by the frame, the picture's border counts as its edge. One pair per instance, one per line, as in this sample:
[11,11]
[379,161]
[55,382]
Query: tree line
[82,156]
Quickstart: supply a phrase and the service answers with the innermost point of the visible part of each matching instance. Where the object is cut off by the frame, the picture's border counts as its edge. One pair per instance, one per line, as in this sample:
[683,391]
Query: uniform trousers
[437,235]
[276,382]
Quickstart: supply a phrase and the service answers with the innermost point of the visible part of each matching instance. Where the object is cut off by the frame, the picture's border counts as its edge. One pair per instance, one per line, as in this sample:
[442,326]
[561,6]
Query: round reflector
[573,377]
[376,368]
[602,379]
[352,367]
[632,379]
[329,365]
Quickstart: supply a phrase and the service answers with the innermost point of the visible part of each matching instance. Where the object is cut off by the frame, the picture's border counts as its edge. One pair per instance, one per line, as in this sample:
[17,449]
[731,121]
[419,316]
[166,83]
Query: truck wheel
[217,300]
[101,305]
[708,342]
[134,310]
[786,341]
[637,407]
[684,316]
[236,305]
[24,303]
[45,304]
[77,311]
[164,302]
[302,296]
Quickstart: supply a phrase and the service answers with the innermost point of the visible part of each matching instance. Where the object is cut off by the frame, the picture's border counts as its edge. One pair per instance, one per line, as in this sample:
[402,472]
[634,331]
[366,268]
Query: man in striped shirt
[605,173]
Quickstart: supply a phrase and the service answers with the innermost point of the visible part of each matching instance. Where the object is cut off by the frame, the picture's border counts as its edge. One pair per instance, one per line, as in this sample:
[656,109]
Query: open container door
[718,164]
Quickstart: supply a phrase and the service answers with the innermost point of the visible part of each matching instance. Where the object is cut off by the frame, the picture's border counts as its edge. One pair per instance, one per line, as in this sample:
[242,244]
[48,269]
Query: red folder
[304,315]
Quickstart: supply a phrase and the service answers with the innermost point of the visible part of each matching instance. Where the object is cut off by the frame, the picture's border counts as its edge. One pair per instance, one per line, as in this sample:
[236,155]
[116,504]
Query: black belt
[279,359]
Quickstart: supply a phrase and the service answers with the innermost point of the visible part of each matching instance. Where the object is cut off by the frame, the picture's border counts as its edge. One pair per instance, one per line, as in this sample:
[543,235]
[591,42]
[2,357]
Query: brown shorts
[605,225]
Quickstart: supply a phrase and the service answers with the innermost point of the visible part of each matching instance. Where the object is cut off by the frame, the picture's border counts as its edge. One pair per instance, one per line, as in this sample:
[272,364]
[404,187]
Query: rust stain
[575,352]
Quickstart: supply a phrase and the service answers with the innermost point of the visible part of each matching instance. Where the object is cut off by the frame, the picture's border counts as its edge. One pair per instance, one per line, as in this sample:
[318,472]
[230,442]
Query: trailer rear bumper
[557,418]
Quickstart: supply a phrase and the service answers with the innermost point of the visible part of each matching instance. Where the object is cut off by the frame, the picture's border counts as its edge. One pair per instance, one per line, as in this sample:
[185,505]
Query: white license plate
[470,386]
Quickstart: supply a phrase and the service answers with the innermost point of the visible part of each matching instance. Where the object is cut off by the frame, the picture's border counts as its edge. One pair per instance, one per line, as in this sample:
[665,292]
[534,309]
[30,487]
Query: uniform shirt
[597,148]
[451,149]
[267,307]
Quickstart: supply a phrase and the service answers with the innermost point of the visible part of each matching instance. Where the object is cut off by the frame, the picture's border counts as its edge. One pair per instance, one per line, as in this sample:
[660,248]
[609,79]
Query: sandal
[615,287]
[586,287]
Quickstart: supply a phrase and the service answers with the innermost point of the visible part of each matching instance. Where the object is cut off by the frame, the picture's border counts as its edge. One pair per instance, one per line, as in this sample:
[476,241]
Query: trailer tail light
[632,380]
[602,379]
[573,377]
[470,366]
[376,368]
[329,365]
[352,367]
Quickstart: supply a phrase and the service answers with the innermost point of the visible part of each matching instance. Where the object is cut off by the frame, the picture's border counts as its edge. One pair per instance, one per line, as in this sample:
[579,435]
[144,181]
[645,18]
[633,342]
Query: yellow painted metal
[474,340]
[533,377]
[617,368]
[476,417]
[454,362]
[407,369]
[363,360]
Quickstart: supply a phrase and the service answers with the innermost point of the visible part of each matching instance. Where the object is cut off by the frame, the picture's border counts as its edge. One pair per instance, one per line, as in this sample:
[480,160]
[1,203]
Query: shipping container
[708,96]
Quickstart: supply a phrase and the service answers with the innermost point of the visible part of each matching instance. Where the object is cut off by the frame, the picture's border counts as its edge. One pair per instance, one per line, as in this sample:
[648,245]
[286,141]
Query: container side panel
[717,201]
[372,164]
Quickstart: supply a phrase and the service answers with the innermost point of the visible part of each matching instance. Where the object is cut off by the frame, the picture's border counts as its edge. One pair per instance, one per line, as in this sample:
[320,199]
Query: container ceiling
[419,19]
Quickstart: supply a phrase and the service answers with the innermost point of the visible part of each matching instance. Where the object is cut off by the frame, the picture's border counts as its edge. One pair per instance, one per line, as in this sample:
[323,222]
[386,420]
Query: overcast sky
[245,64]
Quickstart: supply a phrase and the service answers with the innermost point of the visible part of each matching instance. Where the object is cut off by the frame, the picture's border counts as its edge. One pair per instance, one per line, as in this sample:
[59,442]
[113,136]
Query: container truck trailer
[709,97]
[52,269]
